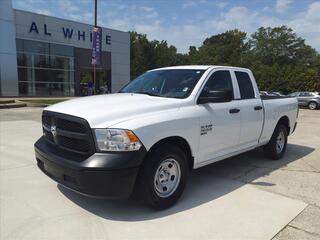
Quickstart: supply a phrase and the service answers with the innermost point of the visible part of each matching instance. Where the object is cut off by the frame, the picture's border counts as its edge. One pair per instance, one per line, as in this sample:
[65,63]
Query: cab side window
[245,85]
[219,81]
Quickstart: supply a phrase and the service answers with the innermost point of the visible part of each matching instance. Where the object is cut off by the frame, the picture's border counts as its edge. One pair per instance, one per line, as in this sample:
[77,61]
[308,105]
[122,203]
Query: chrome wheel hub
[167,177]
[312,106]
[280,142]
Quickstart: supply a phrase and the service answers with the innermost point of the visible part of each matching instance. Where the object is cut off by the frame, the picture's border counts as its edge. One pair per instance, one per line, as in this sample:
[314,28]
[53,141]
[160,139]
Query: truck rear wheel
[277,144]
[162,177]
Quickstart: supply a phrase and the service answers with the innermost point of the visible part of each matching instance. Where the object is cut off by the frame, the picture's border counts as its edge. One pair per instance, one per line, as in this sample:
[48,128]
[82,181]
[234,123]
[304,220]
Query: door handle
[234,110]
[257,108]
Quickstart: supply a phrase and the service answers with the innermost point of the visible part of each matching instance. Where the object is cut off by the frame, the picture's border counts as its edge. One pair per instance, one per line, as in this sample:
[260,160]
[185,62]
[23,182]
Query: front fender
[174,123]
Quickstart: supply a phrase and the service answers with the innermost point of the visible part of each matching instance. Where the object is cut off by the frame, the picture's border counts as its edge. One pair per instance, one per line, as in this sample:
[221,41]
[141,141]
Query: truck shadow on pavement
[204,185]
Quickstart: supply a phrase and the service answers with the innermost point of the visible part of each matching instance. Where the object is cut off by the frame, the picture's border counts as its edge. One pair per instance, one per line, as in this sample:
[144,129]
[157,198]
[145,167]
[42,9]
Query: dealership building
[47,56]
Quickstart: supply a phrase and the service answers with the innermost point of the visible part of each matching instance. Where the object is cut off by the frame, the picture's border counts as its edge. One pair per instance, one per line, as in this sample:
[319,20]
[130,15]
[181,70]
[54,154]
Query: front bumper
[108,175]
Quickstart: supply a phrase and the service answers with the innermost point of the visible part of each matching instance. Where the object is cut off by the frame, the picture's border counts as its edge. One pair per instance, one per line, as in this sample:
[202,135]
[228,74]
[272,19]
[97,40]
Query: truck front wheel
[277,144]
[162,177]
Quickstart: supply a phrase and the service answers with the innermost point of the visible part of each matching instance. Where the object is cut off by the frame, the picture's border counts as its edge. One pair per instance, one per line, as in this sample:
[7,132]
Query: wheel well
[285,121]
[181,143]
[313,102]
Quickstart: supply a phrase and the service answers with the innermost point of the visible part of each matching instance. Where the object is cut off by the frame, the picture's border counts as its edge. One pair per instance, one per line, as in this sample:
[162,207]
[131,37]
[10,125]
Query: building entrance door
[87,85]
[84,73]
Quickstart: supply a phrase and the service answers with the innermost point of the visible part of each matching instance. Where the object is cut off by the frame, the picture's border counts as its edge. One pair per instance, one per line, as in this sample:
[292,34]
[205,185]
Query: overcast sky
[189,22]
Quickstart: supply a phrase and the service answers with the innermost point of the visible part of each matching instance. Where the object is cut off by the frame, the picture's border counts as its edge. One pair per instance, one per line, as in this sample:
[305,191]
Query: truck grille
[68,133]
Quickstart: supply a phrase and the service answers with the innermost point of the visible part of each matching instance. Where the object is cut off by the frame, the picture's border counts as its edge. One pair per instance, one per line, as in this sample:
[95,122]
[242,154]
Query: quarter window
[305,94]
[245,85]
[219,81]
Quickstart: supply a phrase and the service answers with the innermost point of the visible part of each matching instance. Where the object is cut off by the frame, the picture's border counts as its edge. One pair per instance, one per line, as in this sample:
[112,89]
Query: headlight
[116,140]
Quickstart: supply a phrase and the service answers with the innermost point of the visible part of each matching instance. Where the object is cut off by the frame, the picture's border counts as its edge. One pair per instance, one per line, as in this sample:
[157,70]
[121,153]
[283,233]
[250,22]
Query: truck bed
[267,97]
[274,108]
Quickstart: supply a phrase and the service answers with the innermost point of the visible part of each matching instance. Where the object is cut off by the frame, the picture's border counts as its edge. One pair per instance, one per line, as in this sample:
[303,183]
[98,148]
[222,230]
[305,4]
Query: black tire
[145,185]
[270,150]
[312,105]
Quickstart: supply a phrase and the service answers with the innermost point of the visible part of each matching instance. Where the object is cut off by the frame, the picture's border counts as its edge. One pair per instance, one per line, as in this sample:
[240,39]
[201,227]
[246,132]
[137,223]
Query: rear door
[251,110]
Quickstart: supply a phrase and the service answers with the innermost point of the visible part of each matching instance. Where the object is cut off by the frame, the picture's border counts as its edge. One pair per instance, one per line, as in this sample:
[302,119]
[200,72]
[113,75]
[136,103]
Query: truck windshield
[172,83]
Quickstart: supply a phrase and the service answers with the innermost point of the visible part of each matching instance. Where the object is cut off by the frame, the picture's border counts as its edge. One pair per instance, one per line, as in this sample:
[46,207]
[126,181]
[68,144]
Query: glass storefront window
[35,47]
[61,62]
[61,50]
[24,60]
[44,75]
[45,69]
[41,61]
[45,89]
[44,61]
[24,74]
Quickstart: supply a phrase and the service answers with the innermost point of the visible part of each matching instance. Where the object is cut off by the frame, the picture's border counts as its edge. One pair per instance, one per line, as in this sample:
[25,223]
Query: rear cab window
[245,85]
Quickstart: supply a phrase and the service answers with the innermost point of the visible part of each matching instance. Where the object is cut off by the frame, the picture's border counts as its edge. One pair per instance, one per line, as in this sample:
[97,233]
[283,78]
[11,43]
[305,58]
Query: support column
[8,53]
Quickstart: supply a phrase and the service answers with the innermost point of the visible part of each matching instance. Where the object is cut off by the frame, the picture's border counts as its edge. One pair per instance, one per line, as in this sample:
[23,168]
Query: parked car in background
[276,94]
[264,93]
[307,99]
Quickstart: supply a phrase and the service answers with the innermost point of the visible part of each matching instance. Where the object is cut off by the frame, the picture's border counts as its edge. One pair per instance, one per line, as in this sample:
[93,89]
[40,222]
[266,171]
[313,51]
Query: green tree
[282,46]
[141,52]
[227,48]
[279,59]
[146,55]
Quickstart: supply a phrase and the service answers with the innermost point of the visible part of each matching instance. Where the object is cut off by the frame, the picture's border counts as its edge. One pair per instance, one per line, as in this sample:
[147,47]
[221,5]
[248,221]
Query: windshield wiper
[147,93]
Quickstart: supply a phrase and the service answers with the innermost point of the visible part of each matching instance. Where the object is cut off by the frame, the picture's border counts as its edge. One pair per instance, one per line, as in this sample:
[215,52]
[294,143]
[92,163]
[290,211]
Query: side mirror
[214,97]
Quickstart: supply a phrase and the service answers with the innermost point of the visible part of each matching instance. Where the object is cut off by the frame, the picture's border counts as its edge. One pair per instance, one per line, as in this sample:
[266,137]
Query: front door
[219,122]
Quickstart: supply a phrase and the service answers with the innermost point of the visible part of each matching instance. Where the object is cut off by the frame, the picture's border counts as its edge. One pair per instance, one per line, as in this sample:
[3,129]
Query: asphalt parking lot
[244,197]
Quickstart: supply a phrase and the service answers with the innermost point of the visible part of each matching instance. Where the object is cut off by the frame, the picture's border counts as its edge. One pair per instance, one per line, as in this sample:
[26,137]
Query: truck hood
[103,111]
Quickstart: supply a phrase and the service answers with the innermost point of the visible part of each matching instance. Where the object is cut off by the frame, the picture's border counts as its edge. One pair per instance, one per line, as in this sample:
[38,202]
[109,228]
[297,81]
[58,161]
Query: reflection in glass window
[61,50]
[44,75]
[21,59]
[25,74]
[36,47]
[41,61]
[24,59]
[45,89]
[219,81]
[61,63]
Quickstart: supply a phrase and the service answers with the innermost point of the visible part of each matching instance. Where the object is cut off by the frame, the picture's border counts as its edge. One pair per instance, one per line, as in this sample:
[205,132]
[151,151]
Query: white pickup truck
[149,136]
